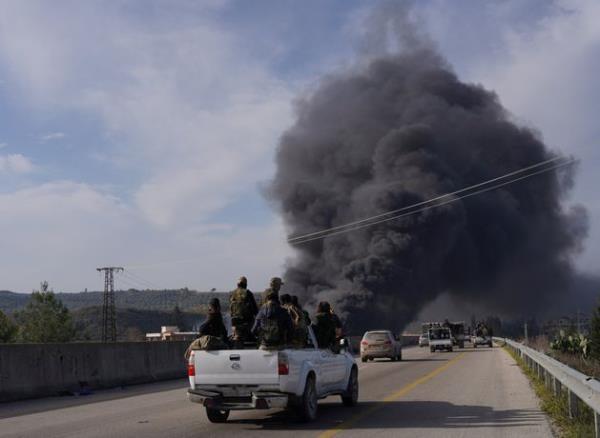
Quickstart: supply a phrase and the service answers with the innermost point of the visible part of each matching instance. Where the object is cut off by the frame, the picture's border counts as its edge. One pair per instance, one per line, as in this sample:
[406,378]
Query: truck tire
[350,397]
[431,349]
[217,415]
[307,408]
[490,344]
[363,359]
[474,345]
[461,345]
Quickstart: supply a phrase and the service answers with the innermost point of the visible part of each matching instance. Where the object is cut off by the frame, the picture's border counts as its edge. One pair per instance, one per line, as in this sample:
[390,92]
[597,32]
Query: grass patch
[557,408]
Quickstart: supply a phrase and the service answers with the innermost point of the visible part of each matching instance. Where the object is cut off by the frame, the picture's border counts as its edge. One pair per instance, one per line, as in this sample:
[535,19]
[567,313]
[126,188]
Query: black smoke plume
[400,129]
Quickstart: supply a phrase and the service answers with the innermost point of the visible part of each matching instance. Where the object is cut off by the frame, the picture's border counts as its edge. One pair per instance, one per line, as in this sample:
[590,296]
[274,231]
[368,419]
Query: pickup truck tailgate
[236,367]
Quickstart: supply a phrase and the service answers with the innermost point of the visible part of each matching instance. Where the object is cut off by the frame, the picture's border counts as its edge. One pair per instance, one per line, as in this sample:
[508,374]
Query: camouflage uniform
[274,287]
[273,325]
[299,324]
[243,310]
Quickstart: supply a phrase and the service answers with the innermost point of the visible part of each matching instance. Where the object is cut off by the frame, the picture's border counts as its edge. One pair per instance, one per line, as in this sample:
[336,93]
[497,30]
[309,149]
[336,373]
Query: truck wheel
[461,345]
[217,415]
[451,349]
[490,344]
[307,410]
[474,345]
[431,349]
[363,359]
[350,397]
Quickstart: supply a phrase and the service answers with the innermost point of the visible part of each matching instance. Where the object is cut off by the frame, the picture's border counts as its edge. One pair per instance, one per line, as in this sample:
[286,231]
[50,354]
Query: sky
[142,133]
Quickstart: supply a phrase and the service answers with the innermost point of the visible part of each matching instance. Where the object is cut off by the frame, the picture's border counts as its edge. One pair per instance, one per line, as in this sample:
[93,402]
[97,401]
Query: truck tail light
[192,365]
[364,343]
[283,368]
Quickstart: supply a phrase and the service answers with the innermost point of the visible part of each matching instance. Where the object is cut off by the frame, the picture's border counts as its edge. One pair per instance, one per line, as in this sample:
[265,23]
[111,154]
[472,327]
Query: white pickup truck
[226,380]
[440,338]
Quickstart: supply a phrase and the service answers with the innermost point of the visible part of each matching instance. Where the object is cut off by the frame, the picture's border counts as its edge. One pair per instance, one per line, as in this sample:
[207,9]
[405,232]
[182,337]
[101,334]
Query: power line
[445,195]
[367,222]
[139,280]
[437,198]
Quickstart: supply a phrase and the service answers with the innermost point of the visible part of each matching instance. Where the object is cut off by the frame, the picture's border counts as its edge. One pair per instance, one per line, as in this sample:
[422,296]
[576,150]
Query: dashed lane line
[392,397]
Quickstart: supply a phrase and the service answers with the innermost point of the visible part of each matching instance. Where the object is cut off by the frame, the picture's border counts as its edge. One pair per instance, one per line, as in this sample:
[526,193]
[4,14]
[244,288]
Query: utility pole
[109,314]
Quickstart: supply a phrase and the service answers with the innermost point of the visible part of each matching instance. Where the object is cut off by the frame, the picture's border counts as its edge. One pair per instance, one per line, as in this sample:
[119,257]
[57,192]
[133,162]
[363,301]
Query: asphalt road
[469,393]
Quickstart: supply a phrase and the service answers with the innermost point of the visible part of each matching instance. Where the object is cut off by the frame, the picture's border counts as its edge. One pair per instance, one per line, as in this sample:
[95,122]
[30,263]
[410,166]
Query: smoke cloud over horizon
[403,129]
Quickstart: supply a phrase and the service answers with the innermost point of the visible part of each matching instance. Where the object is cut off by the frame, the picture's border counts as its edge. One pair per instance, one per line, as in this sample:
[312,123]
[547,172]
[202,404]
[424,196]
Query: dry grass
[557,407]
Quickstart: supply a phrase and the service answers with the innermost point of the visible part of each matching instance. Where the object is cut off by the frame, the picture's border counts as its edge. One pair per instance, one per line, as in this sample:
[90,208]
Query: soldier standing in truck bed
[243,310]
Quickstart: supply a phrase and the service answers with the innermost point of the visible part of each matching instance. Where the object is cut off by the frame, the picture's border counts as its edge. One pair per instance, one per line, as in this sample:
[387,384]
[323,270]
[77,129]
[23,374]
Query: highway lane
[468,393]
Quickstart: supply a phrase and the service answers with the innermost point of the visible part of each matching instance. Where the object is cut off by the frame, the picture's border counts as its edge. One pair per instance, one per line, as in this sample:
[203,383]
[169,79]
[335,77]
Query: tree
[8,329]
[45,319]
[595,333]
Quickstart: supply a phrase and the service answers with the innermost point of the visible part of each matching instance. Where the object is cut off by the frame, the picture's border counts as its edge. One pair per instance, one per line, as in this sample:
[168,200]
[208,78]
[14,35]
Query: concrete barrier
[35,370]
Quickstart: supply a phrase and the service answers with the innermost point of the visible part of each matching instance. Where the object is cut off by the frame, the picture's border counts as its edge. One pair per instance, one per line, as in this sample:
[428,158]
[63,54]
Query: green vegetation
[132,324]
[44,316]
[557,407]
[8,329]
[187,300]
[45,319]
[576,344]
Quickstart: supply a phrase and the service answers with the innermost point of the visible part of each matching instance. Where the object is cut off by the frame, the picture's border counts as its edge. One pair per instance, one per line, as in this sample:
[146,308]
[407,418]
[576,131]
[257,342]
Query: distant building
[171,333]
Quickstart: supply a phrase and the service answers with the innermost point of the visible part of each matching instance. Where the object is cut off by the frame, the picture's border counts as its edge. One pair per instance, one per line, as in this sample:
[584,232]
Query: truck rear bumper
[258,400]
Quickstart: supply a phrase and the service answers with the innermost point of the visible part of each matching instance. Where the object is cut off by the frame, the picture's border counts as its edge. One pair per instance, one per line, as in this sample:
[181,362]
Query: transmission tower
[109,314]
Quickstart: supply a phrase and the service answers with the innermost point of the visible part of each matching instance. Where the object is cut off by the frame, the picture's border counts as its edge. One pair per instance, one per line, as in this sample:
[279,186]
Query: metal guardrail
[560,378]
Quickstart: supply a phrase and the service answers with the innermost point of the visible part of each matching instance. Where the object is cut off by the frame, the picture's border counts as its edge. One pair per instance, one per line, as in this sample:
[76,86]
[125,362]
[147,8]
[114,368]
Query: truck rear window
[439,334]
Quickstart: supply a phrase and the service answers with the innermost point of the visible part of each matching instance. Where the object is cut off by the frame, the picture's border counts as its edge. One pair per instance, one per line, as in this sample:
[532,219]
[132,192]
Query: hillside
[165,300]
[132,324]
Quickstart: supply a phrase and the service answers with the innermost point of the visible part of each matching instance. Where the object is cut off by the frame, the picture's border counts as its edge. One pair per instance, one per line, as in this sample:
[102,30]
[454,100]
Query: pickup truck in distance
[227,380]
[440,338]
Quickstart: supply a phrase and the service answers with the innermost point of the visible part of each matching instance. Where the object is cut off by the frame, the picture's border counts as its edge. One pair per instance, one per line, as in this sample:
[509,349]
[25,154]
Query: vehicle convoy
[440,338]
[482,335]
[380,343]
[458,332]
[295,378]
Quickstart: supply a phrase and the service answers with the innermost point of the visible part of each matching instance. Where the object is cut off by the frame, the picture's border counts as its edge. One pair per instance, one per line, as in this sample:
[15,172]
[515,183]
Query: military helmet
[214,305]
[242,282]
[276,281]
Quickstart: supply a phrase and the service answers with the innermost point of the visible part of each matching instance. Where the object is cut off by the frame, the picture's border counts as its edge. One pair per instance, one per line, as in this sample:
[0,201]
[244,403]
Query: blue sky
[139,133]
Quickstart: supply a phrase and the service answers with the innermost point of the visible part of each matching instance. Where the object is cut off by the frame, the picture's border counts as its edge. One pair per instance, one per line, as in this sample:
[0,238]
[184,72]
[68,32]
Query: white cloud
[184,105]
[52,136]
[62,231]
[15,163]
[187,104]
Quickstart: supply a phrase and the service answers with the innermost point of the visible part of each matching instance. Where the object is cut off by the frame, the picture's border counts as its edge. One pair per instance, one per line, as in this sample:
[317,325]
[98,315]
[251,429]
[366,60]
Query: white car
[481,340]
[382,344]
[440,338]
[424,340]
[226,380]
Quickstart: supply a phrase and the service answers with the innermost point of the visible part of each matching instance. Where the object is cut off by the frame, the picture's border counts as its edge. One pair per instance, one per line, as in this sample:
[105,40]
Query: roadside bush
[576,344]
